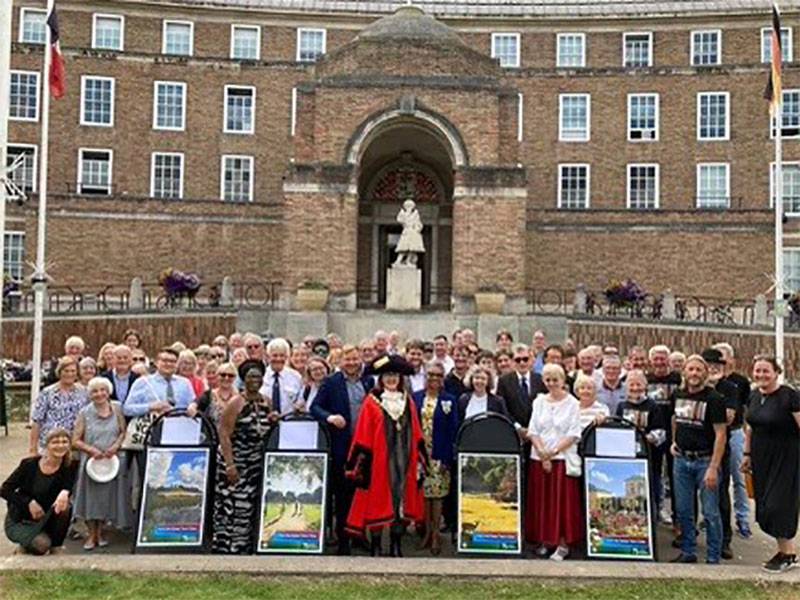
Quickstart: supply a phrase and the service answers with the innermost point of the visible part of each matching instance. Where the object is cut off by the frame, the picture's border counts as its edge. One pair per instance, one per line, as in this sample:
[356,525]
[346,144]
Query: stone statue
[410,243]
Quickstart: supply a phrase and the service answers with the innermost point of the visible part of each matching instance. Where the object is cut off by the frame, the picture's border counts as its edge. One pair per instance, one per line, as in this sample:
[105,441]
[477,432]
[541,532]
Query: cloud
[191,475]
[600,476]
[158,468]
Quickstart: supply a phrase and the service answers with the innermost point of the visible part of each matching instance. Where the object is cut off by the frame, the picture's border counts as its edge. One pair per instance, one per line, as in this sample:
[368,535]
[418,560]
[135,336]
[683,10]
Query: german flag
[773,91]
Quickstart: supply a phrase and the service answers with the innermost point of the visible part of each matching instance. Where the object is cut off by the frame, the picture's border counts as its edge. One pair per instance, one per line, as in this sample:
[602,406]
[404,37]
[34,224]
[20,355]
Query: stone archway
[404,158]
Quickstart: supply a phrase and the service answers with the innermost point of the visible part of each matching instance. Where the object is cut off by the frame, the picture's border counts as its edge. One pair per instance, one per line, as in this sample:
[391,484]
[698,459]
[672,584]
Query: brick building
[546,143]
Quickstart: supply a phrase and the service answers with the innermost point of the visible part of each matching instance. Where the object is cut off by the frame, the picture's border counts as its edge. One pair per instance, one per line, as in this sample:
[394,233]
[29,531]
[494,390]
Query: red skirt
[553,506]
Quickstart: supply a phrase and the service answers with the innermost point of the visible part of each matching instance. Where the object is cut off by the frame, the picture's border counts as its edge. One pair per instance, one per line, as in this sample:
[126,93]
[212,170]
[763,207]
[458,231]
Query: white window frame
[785,163]
[562,35]
[657,117]
[727,185]
[293,116]
[789,250]
[300,31]
[110,152]
[121,19]
[164,35]
[22,12]
[8,234]
[234,27]
[767,44]
[691,47]
[158,127]
[649,35]
[784,91]
[153,174]
[588,185]
[517,37]
[35,148]
[38,95]
[225,129]
[83,120]
[588,118]
[656,196]
[727,135]
[252,161]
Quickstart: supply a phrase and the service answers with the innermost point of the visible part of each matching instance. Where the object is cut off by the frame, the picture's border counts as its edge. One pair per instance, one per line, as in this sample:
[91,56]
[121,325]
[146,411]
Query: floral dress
[437,481]
[56,407]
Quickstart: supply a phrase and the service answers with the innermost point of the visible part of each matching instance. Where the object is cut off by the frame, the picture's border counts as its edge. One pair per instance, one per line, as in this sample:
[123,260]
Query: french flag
[57,75]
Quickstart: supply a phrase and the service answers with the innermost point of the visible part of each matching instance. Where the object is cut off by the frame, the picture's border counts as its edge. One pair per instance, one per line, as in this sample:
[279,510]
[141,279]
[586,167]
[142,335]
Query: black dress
[775,459]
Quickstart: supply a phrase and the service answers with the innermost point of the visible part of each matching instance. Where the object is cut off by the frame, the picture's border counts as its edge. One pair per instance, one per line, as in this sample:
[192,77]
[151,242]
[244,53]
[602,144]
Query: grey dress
[105,502]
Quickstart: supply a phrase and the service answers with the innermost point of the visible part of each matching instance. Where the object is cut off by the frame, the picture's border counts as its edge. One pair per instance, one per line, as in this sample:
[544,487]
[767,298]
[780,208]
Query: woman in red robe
[386,459]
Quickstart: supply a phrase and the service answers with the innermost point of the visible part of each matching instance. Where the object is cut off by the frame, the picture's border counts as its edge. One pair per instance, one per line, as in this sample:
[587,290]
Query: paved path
[749,555]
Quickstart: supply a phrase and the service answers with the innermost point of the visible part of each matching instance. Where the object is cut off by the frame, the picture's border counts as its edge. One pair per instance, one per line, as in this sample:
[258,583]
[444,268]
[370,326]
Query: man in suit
[120,375]
[519,388]
[338,403]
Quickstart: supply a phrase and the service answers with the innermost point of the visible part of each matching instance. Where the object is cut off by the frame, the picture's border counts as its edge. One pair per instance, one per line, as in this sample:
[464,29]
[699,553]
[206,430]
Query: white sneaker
[666,517]
[561,553]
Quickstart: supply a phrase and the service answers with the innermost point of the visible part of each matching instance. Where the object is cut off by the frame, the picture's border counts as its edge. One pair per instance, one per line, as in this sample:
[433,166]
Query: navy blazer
[131,378]
[332,399]
[445,425]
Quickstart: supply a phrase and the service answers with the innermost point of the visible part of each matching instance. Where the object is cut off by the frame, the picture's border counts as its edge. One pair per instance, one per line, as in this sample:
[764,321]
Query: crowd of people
[393,411]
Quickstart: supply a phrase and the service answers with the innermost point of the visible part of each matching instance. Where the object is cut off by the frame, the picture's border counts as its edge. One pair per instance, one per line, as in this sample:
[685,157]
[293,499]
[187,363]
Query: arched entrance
[403,159]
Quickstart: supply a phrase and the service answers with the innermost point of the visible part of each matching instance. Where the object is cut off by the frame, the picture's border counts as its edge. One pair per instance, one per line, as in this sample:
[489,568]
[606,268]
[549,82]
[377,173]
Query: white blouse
[553,421]
[476,405]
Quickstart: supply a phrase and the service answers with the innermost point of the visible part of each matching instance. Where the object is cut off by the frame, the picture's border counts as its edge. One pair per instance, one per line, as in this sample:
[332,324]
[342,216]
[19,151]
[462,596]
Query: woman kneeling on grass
[38,496]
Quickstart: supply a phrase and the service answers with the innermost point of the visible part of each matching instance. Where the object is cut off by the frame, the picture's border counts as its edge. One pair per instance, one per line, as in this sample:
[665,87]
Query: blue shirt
[355,393]
[153,388]
[120,386]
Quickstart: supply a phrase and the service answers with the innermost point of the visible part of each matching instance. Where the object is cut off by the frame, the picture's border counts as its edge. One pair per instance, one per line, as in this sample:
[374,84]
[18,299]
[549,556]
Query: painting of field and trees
[174,497]
[293,502]
[489,504]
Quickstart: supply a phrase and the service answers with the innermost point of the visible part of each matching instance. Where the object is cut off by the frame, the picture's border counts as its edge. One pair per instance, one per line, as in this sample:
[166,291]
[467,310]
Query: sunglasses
[140,359]
[227,376]
[253,346]
[521,359]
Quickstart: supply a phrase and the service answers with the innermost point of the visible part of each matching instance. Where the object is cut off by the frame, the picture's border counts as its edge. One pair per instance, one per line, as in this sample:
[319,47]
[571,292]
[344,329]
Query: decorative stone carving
[410,243]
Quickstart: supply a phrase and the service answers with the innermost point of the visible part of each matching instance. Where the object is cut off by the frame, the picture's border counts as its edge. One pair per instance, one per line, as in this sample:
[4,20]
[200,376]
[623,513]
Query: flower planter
[308,299]
[490,302]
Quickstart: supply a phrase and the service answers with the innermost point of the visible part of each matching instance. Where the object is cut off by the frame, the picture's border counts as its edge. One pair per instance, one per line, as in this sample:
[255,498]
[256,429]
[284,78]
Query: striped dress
[235,506]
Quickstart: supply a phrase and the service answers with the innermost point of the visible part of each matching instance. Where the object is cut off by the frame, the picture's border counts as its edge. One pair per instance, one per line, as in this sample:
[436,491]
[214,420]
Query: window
[178,38]
[24,96]
[14,254]
[790,116]
[97,101]
[712,115]
[573,186]
[310,44]
[237,178]
[791,269]
[239,109]
[94,171]
[571,50]
[713,185]
[505,48]
[169,105]
[642,117]
[643,187]
[574,119]
[637,50]
[245,42]
[706,48]
[786,44]
[166,180]
[23,176]
[108,32]
[791,187]
[32,24]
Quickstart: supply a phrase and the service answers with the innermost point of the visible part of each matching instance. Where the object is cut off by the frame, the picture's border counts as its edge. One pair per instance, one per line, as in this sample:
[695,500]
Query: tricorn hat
[390,363]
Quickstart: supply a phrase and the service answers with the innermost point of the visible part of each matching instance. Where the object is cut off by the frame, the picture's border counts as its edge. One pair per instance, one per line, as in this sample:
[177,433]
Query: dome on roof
[409,23]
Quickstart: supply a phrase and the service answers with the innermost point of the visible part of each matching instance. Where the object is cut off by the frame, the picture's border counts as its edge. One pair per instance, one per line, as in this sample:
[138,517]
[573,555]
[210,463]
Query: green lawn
[101,586]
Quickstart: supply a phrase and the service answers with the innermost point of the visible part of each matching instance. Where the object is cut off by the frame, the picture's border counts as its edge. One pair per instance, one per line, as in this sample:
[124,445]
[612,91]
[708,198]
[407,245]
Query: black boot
[395,545]
[375,546]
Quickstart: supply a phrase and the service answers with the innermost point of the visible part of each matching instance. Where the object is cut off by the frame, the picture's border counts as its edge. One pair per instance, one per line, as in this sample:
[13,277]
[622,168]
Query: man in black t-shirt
[698,432]
[741,502]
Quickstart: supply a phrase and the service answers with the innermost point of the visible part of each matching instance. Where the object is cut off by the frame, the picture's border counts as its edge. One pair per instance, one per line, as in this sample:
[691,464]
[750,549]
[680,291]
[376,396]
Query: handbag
[136,431]
[572,464]
[748,483]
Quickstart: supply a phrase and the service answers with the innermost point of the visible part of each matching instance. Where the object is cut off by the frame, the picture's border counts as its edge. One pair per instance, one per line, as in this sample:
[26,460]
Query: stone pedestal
[403,288]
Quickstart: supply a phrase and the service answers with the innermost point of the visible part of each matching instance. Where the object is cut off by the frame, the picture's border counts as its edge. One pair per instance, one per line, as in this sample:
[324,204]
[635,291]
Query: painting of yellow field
[489,519]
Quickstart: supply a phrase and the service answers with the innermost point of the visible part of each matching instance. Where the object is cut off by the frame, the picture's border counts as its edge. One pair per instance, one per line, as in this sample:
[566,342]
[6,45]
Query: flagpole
[39,279]
[779,298]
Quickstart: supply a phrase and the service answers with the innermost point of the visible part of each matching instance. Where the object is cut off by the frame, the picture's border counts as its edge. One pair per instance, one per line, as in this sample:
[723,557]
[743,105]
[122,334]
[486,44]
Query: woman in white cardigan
[553,515]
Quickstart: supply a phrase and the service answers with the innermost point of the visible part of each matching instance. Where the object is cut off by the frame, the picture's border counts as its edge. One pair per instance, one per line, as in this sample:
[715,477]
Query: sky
[292,481]
[610,475]
[173,468]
